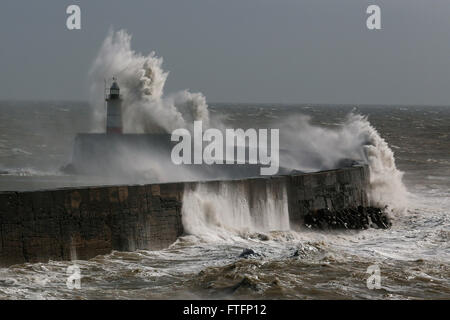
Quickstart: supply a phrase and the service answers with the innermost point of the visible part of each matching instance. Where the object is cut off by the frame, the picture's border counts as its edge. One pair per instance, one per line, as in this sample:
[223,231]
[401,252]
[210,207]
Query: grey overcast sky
[274,51]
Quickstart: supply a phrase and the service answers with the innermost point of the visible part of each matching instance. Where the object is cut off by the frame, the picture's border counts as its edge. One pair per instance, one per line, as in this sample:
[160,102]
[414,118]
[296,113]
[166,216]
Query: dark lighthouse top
[114,91]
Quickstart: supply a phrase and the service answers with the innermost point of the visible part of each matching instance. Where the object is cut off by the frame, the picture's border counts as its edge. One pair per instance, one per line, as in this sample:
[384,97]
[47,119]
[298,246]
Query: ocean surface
[36,139]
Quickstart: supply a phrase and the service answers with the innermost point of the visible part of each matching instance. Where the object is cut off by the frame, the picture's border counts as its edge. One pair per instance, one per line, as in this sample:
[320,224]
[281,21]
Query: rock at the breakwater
[348,218]
[247,253]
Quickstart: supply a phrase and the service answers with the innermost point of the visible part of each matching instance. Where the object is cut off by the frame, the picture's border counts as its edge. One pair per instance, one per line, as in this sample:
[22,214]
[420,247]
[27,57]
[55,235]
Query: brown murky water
[413,256]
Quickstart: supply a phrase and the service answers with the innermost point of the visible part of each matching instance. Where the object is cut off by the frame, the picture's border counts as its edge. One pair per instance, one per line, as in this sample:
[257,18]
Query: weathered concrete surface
[334,189]
[57,224]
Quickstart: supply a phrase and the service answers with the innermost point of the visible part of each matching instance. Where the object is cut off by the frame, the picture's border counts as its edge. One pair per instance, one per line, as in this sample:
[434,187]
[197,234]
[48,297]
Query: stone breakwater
[81,223]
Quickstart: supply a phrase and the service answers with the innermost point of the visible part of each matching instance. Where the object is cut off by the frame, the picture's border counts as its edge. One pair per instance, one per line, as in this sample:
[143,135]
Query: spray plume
[307,147]
[142,80]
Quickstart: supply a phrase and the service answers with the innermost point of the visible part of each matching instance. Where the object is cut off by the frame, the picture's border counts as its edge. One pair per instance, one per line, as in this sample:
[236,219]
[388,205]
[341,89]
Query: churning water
[413,255]
[406,148]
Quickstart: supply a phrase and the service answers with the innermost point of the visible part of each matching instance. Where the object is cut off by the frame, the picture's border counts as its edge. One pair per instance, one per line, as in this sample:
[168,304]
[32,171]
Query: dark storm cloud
[239,51]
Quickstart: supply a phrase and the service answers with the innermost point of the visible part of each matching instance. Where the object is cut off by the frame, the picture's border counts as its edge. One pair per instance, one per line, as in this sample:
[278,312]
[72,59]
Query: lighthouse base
[140,158]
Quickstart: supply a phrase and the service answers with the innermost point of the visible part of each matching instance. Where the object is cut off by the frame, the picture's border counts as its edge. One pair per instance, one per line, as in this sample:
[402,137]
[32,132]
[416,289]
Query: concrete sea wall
[334,189]
[81,223]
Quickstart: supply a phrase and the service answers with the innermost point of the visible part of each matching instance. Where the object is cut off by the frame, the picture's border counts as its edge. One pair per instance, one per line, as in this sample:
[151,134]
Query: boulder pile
[349,218]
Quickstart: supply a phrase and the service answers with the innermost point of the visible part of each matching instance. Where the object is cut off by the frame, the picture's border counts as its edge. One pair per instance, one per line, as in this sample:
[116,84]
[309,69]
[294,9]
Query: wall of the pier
[80,223]
[335,189]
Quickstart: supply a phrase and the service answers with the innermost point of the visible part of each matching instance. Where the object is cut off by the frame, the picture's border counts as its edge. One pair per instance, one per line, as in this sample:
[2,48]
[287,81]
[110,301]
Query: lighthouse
[114,109]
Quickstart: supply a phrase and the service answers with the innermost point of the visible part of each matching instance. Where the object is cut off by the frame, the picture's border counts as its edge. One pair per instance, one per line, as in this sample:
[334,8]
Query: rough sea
[36,139]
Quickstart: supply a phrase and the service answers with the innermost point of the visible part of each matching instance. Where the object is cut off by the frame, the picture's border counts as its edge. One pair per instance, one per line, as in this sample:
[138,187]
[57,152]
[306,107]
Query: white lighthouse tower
[114,109]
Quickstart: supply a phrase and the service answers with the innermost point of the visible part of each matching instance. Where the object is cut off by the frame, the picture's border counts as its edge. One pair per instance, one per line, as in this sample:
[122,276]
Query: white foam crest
[315,148]
[386,185]
[311,148]
[226,211]
[141,79]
